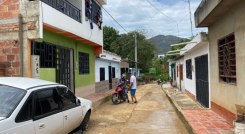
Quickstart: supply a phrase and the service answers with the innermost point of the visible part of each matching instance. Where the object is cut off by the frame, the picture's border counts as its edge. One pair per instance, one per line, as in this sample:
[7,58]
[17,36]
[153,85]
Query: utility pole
[136,67]
[190,16]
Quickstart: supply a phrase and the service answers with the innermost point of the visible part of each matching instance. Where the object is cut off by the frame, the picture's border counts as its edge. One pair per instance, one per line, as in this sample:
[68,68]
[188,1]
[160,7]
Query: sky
[140,14]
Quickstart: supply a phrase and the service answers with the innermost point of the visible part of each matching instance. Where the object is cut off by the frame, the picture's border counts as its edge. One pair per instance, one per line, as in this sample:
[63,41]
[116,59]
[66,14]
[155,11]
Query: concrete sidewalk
[100,98]
[197,120]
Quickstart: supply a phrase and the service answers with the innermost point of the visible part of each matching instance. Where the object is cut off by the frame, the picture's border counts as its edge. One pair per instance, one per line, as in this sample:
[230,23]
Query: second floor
[78,19]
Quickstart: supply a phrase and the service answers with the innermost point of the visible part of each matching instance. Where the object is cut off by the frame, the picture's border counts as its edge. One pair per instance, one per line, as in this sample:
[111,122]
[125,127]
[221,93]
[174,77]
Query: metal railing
[66,8]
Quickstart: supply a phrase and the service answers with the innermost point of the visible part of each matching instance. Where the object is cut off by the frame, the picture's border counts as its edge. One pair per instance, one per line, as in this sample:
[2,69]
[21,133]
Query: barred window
[83,63]
[95,9]
[188,69]
[227,59]
[47,53]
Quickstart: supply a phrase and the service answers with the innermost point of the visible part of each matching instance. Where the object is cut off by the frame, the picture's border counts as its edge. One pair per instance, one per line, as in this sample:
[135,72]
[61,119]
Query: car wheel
[85,123]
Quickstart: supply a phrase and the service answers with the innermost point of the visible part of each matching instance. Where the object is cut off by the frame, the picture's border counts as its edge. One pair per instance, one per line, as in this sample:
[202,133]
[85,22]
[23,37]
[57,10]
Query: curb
[181,116]
[101,101]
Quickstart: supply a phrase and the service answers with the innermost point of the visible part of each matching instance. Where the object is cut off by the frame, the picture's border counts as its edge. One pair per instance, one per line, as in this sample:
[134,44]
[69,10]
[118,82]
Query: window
[227,59]
[83,63]
[68,100]
[95,9]
[26,111]
[188,69]
[46,102]
[122,71]
[9,99]
[113,72]
[46,52]
[102,74]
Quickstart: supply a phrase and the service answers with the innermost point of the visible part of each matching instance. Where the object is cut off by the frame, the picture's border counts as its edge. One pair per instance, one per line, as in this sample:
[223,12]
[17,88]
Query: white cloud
[134,14]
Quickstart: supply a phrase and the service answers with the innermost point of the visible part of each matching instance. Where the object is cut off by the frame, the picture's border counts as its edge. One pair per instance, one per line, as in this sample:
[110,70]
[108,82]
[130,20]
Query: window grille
[83,63]
[47,53]
[95,9]
[102,74]
[113,72]
[227,59]
[188,69]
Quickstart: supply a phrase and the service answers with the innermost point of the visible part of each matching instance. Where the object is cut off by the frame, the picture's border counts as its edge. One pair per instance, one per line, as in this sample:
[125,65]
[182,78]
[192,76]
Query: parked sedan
[32,106]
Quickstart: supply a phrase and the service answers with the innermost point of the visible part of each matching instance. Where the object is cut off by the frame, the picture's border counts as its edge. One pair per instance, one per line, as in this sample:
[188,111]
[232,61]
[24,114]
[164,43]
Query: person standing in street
[123,81]
[132,87]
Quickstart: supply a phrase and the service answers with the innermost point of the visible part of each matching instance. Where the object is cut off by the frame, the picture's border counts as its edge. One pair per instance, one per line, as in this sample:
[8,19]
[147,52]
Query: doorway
[110,77]
[180,75]
[202,83]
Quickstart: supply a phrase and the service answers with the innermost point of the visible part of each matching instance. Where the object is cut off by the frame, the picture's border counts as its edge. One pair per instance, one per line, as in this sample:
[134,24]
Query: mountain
[162,43]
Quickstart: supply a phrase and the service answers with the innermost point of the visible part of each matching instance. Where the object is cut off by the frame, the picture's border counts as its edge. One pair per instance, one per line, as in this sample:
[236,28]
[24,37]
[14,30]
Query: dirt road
[153,114]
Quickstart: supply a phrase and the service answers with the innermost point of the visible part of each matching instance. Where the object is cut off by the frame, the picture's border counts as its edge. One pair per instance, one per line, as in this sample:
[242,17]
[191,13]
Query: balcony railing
[66,8]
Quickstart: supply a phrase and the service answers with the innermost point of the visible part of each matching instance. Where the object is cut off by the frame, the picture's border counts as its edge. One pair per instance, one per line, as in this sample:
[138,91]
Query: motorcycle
[159,81]
[118,96]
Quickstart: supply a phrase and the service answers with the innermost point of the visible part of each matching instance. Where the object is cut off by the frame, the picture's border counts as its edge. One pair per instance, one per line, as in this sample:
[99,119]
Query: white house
[107,71]
[192,69]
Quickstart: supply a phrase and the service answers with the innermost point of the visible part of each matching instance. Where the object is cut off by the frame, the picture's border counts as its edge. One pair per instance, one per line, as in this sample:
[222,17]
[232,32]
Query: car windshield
[9,99]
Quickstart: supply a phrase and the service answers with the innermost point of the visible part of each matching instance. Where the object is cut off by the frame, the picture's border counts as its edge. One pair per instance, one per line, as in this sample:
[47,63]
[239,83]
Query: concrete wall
[101,63]
[223,94]
[123,65]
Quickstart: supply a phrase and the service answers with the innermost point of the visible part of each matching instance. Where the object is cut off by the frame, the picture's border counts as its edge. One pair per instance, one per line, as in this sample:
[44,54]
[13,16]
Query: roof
[110,53]
[24,83]
[128,61]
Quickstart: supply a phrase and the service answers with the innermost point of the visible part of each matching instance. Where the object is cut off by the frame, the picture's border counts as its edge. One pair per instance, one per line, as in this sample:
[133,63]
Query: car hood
[2,118]
[84,100]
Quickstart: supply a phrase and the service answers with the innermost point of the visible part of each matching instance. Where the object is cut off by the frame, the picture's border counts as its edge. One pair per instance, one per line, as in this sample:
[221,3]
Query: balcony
[210,11]
[66,8]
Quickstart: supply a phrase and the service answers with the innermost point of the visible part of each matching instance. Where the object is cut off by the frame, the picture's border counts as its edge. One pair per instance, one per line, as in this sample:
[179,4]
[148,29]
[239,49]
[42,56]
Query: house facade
[107,71]
[225,21]
[52,40]
[192,70]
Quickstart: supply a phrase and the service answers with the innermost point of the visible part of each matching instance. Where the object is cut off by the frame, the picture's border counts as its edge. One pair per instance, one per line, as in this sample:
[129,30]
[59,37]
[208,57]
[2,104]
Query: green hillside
[162,43]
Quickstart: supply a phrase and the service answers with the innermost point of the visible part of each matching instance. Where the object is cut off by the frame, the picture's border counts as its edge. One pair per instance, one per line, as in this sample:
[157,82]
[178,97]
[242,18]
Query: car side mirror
[78,102]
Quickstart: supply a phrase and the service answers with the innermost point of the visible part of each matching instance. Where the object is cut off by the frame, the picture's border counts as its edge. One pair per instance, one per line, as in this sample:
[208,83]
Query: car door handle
[66,116]
[41,125]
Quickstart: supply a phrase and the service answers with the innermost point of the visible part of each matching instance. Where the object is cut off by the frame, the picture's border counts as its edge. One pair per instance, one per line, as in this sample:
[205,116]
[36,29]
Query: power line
[144,14]
[165,15]
[111,22]
[161,11]
[112,17]
[178,23]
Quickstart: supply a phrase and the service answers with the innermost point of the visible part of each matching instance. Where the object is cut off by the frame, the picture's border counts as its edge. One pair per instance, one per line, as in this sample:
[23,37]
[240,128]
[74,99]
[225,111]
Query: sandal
[135,101]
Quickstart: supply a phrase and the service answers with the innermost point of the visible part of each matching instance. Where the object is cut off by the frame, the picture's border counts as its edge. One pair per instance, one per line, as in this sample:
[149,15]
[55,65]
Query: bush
[154,78]
[140,80]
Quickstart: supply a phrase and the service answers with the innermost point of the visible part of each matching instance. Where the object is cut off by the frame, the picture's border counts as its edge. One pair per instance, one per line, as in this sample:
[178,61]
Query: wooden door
[181,74]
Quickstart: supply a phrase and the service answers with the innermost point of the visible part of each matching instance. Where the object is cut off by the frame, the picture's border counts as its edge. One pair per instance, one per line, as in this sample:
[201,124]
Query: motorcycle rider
[124,81]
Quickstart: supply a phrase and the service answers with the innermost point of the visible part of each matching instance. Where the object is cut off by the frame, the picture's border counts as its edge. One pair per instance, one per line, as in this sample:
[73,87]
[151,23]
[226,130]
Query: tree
[110,35]
[124,46]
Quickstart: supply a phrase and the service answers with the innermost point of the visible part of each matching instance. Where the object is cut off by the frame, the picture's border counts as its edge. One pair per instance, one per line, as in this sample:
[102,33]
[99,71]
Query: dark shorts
[133,91]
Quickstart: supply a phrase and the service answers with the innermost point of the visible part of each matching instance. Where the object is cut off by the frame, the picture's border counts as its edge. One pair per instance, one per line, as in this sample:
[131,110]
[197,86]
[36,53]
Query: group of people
[132,87]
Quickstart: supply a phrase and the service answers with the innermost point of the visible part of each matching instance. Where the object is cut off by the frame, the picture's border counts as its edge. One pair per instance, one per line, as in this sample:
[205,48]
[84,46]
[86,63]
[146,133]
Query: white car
[32,106]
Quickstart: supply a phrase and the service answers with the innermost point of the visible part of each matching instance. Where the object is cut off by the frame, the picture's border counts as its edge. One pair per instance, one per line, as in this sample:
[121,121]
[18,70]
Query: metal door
[202,83]
[110,77]
[64,69]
